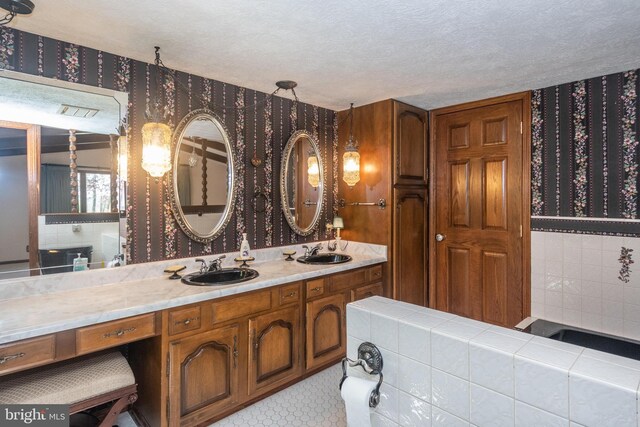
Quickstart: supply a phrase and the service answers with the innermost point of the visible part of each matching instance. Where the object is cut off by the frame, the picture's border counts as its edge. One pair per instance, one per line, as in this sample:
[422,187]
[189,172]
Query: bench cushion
[68,382]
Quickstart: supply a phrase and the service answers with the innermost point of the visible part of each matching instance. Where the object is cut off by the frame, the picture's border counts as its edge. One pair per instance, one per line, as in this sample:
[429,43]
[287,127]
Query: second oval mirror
[302,183]
[203,190]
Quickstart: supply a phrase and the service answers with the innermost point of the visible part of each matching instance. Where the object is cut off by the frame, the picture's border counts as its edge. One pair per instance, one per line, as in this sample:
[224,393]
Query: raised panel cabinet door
[410,248]
[326,334]
[410,126]
[203,375]
[479,214]
[274,353]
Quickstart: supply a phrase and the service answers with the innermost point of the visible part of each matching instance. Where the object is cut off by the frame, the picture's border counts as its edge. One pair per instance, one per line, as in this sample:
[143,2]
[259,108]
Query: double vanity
[198,352]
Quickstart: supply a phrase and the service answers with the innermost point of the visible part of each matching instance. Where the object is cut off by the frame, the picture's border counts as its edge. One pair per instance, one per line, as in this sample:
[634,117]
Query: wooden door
[410,246]
[410,126]
[479,212]
[274,353]
[326,334]
[203,375]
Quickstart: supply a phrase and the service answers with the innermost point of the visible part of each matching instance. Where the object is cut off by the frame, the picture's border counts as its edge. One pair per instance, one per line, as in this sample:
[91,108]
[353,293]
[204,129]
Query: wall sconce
[313,170]
[338,224]
[351,157]
[156,136]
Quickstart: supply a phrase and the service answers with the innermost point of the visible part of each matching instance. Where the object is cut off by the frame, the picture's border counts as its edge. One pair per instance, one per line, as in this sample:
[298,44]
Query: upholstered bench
[80,383]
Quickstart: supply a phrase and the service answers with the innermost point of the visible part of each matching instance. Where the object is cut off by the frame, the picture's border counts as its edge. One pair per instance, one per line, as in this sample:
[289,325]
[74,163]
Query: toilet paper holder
[370,360]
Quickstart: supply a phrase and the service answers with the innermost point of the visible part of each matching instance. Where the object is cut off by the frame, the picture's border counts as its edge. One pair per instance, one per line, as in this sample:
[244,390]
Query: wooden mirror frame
[176,206]
[284,196]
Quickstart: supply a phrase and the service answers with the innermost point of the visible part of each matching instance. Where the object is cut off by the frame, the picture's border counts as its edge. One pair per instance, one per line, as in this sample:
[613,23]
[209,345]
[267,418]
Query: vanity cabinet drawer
[315,288]
[366,292]
[347,280]
[111,334]
[28,353]
[375,273]
[183,320]
[240,306]
[290,293]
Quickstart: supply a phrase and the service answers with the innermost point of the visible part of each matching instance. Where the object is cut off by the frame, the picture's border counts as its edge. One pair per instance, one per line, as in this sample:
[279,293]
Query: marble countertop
[39,314]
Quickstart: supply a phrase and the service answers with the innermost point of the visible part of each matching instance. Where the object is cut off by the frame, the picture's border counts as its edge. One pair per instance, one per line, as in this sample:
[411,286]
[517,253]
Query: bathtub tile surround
[510,378]
[575,280]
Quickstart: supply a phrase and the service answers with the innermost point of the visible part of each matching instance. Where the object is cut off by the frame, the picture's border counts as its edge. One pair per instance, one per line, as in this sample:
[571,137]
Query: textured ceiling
[430,53]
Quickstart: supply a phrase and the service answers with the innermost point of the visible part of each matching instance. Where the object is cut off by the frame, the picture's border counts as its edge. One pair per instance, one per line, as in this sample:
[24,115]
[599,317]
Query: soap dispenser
[244,247]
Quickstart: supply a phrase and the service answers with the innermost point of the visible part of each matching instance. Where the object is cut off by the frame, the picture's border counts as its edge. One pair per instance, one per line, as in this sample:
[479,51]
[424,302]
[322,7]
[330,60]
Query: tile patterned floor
[314,402]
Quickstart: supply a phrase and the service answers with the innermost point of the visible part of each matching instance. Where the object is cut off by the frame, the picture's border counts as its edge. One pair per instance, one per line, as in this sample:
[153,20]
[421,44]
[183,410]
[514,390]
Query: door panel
[495,194]
[459,196]
[478,173]
[203,375]
[275,348]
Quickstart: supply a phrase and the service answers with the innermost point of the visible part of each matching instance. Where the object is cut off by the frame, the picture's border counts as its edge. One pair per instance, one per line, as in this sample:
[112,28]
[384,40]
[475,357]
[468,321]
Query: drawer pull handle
[186,321]
[119,332]
[5,359]
[290,294]
[377,273]
[316,289]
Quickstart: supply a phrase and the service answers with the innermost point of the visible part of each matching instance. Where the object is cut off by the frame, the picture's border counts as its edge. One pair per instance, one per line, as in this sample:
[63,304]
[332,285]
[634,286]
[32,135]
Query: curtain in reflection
[55,184]
[184,185]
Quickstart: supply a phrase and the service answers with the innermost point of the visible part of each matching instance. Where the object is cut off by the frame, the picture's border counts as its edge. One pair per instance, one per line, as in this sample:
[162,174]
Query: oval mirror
[302,183]
[203,187]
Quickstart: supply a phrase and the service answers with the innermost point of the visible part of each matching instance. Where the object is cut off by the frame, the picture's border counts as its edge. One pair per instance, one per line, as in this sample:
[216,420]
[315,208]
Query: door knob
[440,237]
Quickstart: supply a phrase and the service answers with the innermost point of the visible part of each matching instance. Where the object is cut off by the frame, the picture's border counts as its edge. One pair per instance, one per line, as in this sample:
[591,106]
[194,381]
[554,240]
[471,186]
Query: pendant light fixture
[313,170]
[351,157]
[13,8]
[156,135]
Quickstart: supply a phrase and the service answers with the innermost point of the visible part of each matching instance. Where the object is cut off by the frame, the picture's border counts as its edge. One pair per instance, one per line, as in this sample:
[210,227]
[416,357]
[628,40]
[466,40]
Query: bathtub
[585,338]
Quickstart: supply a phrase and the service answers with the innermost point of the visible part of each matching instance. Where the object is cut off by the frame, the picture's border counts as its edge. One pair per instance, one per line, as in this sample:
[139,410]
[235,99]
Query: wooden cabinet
[203,375]
[410,145]
[326,335]
[274,349]
[410,246]
[326,321]
[394,153]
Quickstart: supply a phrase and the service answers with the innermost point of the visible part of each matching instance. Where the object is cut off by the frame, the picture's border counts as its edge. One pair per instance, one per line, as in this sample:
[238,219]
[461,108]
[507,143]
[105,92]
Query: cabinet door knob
[440,237]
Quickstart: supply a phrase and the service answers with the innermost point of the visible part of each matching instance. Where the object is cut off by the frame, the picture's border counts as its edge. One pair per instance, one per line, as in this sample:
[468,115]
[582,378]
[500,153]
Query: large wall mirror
[203,190]
[302,183]
[62,195]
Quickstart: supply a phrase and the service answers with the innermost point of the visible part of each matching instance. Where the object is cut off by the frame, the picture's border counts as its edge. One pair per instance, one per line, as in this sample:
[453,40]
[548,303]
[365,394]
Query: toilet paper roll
[356,393]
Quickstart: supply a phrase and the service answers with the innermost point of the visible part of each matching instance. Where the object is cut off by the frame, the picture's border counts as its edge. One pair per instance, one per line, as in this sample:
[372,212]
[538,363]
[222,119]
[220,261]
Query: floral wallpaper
[152,231]
[584,156]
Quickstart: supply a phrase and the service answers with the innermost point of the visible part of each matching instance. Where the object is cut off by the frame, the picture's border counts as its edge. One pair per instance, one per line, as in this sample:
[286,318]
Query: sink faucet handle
[203,265]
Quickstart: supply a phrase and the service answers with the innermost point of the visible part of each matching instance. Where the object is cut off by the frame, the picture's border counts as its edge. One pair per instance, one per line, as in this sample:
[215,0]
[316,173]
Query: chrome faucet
[214,265]
[313,250]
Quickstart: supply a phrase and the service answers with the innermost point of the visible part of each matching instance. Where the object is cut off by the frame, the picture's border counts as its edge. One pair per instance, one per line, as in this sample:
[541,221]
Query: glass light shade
[338,222]
[156,148]
[313,171]
[351,167]
[123,149]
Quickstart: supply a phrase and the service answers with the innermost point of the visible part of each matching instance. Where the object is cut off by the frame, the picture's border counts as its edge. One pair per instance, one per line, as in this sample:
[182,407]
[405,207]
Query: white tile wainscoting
[444,370]
[574,281]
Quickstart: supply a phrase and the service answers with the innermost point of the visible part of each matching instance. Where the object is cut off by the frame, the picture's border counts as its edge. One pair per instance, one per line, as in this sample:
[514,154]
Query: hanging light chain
[173,74]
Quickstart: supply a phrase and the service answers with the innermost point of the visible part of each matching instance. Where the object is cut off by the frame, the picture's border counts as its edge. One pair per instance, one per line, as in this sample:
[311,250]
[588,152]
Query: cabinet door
[410,145]
[326,335]
[410,268]
[274,353]
[203,376]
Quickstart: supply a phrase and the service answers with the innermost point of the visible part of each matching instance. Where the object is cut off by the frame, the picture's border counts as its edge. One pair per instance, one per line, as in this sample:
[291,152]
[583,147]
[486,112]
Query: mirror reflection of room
[202,175]
[63,196]
[304,175]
